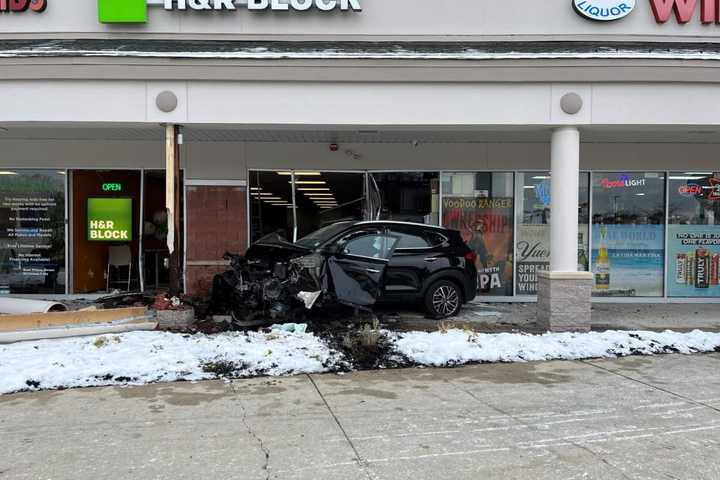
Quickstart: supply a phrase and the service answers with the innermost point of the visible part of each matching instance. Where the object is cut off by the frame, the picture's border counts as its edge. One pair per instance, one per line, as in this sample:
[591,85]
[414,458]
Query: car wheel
[443,299]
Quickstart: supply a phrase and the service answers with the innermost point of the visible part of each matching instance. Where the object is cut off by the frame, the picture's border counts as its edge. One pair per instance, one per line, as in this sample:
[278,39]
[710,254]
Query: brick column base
[564,301]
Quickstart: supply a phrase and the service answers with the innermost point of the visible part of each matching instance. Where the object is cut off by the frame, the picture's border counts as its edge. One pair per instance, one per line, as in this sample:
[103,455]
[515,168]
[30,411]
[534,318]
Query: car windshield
[321,236]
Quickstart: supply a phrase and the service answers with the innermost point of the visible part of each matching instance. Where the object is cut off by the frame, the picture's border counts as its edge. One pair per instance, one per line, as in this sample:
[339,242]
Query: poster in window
[486,224]
[32,232]
[628,260]
[694,235]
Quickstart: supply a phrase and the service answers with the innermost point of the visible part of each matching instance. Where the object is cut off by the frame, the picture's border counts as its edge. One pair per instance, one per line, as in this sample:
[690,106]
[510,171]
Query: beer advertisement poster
[693,260]
[486,224]
[628,260]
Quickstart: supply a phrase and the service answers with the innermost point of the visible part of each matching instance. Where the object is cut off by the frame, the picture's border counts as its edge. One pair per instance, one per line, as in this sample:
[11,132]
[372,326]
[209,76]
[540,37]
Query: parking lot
[632,418]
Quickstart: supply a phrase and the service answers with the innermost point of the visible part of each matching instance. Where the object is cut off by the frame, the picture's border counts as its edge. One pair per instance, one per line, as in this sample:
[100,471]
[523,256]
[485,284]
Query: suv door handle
[431,259]
[372,270]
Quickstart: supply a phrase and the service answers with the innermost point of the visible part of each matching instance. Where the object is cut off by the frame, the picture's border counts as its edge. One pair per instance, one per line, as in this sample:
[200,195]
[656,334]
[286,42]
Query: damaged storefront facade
[293,115]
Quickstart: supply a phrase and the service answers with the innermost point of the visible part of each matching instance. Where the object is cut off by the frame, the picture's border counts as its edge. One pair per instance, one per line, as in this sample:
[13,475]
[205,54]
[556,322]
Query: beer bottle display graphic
[582,257]
[602,266]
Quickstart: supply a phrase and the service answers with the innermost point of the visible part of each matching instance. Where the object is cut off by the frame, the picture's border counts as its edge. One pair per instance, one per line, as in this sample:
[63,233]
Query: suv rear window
[418,238]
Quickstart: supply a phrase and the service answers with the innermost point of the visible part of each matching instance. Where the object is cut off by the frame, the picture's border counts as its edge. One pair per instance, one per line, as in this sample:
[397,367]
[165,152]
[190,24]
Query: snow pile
[145,357]
[457,347]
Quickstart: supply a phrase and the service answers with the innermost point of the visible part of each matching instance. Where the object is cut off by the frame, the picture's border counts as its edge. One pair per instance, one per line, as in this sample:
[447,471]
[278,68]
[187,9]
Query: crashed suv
[359,264]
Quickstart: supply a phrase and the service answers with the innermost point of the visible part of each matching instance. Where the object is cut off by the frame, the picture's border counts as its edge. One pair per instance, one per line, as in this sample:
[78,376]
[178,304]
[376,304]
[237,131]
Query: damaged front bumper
[278,281]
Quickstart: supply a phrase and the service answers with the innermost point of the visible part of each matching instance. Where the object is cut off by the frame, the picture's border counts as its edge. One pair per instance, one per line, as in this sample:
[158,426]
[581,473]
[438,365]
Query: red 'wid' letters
[23,5]
[684,10]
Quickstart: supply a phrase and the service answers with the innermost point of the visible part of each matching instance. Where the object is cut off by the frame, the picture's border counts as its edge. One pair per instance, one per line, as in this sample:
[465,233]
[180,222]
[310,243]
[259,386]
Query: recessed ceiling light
[309,182]
[298,174]
[320,189]
[8,173]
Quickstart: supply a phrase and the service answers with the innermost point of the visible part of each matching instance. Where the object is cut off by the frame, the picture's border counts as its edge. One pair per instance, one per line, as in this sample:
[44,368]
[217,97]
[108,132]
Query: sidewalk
[633,418]
[507,317]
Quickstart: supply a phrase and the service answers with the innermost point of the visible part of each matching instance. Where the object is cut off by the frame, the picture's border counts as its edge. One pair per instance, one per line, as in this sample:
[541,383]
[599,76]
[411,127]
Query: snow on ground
[144,357]
[457,347]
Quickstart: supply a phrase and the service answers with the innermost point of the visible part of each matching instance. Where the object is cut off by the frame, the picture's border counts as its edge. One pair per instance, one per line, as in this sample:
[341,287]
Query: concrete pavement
[633,418]
[506,317]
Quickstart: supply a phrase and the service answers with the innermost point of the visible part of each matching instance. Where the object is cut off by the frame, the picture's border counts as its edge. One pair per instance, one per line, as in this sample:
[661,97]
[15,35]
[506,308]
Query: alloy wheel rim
[445,300]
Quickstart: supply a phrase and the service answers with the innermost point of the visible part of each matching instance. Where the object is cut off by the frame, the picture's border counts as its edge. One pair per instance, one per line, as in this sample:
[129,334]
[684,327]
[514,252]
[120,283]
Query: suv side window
[369,245]
[435,239]
[412,239]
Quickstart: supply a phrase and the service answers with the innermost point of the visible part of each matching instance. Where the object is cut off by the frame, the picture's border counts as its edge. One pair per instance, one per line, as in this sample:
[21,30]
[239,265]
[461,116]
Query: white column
[565,165]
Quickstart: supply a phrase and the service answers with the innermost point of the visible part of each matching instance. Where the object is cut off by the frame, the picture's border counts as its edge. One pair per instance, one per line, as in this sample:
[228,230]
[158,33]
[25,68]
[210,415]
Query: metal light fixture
[297,174]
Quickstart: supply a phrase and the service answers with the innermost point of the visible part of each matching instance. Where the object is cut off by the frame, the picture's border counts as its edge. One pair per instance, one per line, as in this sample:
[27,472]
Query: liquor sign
[109,219]
[604,10]
[17,6]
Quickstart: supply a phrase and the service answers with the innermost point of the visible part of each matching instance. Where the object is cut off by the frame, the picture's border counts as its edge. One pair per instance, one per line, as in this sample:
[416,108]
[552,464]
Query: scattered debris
[290,327]
[21,306]
[120,300]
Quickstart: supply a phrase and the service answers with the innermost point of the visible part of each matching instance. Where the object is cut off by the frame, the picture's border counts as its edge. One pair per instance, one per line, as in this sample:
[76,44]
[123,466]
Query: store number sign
[109,219]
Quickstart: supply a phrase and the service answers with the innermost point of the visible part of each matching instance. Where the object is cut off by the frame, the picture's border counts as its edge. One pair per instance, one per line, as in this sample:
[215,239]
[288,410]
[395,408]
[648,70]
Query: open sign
[690,190]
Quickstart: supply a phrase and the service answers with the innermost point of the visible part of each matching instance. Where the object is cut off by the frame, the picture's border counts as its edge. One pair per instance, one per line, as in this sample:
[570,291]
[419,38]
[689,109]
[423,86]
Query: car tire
[443,299]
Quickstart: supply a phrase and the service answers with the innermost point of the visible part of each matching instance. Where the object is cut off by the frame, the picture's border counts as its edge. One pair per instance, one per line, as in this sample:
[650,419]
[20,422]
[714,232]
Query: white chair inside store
[119,257]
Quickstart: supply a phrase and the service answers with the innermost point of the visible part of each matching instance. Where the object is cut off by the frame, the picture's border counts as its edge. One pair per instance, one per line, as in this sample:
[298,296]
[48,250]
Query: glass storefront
[693,247]
[481,207]
[533,227]
[642,234]
[409,196]
[32,226]
[628,234]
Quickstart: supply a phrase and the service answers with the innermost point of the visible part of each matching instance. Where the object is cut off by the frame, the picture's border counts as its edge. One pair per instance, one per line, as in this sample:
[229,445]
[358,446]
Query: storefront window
[408,196]
[32,222]
[480,206]
[694,235]
[533,236]
[271,204]
[628,234]
[328,198]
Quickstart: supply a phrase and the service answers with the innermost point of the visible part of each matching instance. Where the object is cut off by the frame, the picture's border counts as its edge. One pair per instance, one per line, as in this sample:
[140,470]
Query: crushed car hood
[272,246]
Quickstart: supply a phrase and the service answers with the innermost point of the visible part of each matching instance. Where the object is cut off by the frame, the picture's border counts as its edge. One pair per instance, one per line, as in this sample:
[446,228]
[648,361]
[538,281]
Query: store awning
[268,50]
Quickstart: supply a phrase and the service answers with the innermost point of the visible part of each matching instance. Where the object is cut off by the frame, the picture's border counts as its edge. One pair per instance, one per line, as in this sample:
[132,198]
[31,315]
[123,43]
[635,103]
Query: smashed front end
[275,281]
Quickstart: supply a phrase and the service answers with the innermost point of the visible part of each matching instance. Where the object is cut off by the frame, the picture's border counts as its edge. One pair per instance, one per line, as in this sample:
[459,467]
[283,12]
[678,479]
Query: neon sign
[623,182]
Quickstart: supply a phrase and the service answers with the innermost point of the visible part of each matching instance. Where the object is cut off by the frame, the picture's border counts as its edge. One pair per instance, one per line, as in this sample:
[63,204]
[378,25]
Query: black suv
[401,263]
[353,263]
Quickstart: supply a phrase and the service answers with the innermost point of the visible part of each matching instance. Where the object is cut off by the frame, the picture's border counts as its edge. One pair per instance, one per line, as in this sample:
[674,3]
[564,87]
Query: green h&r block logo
[122,11]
